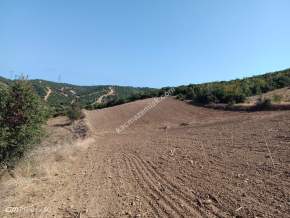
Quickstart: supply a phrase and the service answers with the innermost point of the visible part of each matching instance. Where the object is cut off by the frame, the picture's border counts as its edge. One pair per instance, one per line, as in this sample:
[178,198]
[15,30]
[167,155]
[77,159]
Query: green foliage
[75,111]
[114,100]
[63,94]
[234,91]
[3,111]
[230,92]
[21,118]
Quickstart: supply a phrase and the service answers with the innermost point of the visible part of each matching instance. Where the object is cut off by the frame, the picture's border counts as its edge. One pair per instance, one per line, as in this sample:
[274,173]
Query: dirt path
[100,99]
[206,163]
[48,93]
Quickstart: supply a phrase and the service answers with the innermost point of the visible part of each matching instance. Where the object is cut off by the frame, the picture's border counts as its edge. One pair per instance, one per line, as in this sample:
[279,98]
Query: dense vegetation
[121,99]
[63,94]
[234,91]
[22,114]
[229,92]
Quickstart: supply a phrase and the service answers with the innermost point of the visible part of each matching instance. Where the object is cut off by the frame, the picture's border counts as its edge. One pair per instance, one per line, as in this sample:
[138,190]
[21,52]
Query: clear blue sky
[143,42]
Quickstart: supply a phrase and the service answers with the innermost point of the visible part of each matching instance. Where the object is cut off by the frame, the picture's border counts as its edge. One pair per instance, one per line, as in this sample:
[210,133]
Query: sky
[152,43]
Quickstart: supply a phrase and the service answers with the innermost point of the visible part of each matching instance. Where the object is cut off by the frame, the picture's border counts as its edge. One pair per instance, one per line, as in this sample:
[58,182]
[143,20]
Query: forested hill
[61,95]
[234,91]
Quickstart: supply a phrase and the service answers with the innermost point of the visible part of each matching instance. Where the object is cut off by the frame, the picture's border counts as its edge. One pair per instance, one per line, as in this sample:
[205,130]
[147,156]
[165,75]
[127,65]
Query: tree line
[234,91]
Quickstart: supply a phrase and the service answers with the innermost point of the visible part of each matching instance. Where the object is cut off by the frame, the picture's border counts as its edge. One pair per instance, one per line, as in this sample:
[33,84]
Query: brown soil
[176,161]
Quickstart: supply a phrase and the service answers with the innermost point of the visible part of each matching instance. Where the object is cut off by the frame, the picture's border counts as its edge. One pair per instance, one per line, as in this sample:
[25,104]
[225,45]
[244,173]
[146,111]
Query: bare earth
[48,93]
[110,92]
[176,161]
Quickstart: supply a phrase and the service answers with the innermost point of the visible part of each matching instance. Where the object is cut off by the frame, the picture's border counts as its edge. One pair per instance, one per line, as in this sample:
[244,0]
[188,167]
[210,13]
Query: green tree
[22,116]
[75,111]
[3,109]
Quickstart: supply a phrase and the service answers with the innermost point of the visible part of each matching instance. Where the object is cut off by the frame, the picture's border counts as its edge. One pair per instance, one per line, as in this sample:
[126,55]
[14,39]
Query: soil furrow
[184,201]
[175,189]
[175,207]
[158,210]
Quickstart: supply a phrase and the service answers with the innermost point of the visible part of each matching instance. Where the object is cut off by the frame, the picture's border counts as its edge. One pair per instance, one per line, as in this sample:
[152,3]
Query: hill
[277,96]
[61,95]
[177,160]
[234,91]
[3,82]
[64,94]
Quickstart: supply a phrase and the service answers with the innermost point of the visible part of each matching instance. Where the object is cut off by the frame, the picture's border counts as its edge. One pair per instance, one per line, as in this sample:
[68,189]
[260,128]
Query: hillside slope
[62,94]
[277,96]
[234,91]
[177,160]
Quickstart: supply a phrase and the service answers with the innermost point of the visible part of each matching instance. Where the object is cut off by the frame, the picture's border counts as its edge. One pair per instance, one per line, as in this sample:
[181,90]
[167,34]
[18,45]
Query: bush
[75,111]
[263,104]
[277,98]
[3,110]
[21,118]
[180,97]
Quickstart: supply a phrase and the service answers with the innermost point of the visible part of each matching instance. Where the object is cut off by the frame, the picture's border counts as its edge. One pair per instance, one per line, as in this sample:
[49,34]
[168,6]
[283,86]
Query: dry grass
[282,94]
[39,173]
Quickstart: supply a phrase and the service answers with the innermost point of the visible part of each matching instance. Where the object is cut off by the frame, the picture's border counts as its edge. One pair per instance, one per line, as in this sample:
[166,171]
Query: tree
[75,111]
[282,81]
[22,116]
[3,109]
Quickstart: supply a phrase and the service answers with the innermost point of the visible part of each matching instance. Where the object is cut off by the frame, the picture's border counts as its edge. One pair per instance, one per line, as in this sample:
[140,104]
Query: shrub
[277,98]
[263,104]
[21,118]
[75,111]
[180,97]
[3,109]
